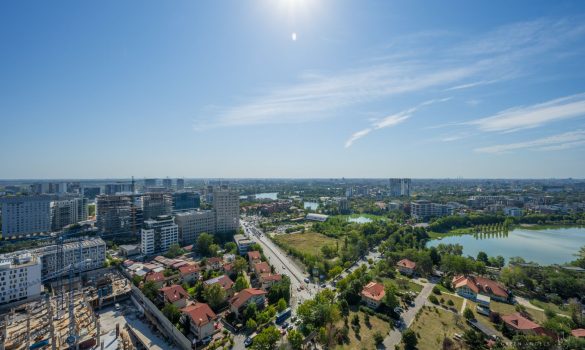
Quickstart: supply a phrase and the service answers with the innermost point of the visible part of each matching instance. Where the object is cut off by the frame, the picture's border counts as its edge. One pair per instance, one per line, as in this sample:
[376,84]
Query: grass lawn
[366,335]
[310,242]
[432,325]
[553,307]
[457,301]
[403,284]
[506,309]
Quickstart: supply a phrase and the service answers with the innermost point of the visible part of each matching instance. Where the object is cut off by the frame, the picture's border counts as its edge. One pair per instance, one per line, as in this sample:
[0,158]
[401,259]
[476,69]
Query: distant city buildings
[117,215]
[91,192]
[158,235]
[184,200]
[25,215]
[156,204]
[424,209]
[180,184]
[192,223]
[86,254]
[399,187]
[226,204]
[68,211]
[115,188]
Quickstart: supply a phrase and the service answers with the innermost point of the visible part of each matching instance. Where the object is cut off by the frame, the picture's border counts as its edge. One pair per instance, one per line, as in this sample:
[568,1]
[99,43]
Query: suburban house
[157,277]
[373,294]
[254,257]
[213,264]
[174,294]
[406,267]
[201,320]
[246,296]
[578,333]
[261,268]
[225,282]
[520,324]
[470,286]
[267,280]
[189,273]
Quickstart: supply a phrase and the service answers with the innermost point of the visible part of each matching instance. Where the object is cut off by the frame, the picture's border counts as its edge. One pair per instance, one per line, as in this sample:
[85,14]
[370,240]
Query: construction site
[66,318]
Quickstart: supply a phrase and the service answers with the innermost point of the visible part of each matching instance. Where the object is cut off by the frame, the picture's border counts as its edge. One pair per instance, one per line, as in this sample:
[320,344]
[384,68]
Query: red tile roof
[254,255]
[520,322]
[228,267]
[480,285]
[579,332]
[374,291]
[271,277]
[407,264]
[262,267]
[155,277]
[224,281]
[174,293]
[244,295]
[200,313]
[188,269]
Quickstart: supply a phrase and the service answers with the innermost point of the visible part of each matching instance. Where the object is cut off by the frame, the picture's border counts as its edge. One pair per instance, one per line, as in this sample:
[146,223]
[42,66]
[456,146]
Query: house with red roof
[157,277]
[578,333]
[213,264]
[261,268]
[267,280]
[406,267]
[225,282]
[202,320]
[189,273]
[246,296]
[520,324]
[254,257]
[373,294]
[470,287]
[174,294]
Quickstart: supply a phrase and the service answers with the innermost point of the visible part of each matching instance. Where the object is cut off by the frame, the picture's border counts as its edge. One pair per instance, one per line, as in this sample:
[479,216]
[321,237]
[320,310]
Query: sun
[294,36]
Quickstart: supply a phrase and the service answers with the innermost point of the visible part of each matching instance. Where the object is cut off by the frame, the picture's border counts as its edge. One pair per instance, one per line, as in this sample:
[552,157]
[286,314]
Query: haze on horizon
[292,89]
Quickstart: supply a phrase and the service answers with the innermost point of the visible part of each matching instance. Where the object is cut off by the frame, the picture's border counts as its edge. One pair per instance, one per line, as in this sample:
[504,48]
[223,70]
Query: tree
[390,298]
[266,340]
[150,290]
[474,340]
[378,338]
[295,339]
[240,265]
[230,247]
[241,283]
[204,242]
[483,257]
[214,294]
[172,313]
[533,342]
[136,280]
[280,289]
[409,339]
[174,251]
[250,311]
[251,324]
[468,314]
[281,305]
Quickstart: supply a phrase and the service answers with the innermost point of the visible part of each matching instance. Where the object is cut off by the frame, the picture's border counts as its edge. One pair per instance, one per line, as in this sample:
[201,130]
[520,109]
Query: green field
[366,334]
[551,306]
[432,325]
[309,242]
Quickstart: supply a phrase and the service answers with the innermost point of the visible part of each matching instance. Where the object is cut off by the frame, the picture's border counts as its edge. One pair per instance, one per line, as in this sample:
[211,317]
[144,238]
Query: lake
[359,219]
[546,247]
[310,205]
[267,195]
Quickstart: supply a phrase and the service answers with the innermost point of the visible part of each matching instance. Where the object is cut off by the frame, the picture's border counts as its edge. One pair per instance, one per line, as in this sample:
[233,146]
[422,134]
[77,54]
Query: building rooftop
[374,291]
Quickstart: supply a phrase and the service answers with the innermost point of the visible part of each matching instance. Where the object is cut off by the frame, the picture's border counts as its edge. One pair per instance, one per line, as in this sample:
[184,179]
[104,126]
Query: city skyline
[292,89]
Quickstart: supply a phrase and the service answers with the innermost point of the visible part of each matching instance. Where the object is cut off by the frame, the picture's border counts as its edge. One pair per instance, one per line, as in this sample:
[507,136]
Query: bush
[433,299]
[468,314]
[378,338]
[450,302]
[436,290]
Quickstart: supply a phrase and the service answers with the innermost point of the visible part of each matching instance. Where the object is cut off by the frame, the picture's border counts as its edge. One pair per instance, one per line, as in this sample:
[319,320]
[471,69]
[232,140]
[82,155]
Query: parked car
[285,325]
[307,280]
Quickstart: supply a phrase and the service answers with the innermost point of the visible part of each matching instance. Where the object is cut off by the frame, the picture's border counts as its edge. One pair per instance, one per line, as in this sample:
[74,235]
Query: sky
[292,88]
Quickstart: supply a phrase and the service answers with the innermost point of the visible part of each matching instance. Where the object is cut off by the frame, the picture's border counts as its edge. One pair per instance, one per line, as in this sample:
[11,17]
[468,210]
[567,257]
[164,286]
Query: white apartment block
[87,254]
[192,223]
[20,277]
[226,204]
[423,209]
[25,215]
[400,187]
[158,235]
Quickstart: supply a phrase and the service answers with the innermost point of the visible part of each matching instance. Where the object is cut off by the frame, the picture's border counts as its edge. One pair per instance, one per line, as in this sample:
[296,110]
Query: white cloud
[557,142]
[527,117]
[356,136]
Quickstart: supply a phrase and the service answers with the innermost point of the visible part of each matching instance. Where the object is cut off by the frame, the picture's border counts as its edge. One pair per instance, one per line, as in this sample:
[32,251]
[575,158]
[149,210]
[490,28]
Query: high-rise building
[192,223]
[91,192]
[25,215]
[158,235]
[399,187]
[119,187]
[186,200]
[40,187]
[180,184]
[86,254]
[117,215]
[167,183]
[343,205]
[67,211]
[226,204]
[156,204]
[20,277]
[423,209]
[149,183]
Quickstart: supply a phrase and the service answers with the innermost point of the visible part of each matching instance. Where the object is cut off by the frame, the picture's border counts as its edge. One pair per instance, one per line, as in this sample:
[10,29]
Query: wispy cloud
[432,65]
[390,121]
[557,142]
[526,117]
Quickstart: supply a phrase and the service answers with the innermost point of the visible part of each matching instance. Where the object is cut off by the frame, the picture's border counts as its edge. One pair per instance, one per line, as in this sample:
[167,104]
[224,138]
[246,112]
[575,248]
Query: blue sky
[97,89]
